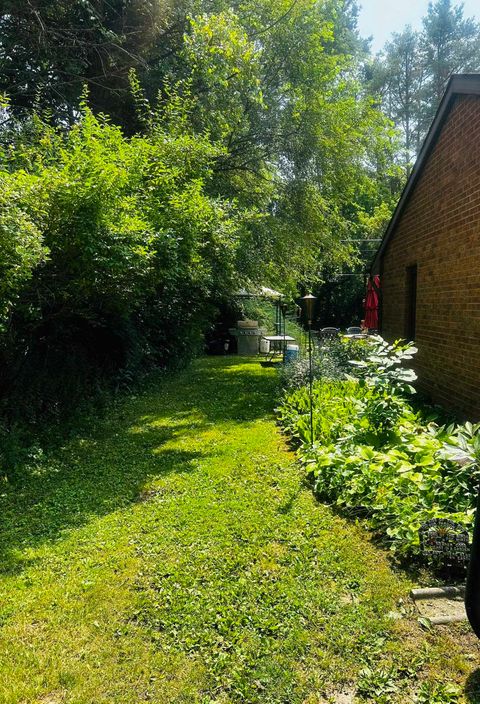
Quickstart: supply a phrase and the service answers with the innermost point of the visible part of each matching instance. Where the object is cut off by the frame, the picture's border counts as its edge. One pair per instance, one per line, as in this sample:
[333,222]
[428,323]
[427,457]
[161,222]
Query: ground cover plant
[330,361]
[377,455]
[171,552]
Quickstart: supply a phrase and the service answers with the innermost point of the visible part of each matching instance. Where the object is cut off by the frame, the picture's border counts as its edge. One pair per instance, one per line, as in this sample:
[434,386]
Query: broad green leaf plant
[376,456]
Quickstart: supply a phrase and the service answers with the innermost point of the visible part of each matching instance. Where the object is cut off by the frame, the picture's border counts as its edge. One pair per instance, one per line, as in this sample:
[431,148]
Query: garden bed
[374,452]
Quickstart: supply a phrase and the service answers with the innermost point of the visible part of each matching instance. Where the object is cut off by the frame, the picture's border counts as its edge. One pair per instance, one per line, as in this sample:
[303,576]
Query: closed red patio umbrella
[371,303]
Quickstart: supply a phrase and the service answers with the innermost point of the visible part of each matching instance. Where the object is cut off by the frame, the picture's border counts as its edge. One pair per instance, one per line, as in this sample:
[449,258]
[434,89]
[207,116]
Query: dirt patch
[346,696]
[440,607]
[52,698]
[148,494]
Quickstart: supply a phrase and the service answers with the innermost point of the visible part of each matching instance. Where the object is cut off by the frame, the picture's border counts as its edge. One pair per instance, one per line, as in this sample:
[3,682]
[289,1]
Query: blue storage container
[291,353]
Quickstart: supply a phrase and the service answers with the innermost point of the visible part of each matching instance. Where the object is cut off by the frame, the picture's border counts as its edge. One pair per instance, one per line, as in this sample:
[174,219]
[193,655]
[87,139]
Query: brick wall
[439,231]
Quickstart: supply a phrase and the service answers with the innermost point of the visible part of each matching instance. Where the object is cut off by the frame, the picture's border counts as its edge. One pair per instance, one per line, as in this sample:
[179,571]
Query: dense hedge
[111,252]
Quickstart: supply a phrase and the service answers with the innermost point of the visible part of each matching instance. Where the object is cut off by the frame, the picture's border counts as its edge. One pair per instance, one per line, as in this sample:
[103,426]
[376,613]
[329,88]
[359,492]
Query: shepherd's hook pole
[310,378]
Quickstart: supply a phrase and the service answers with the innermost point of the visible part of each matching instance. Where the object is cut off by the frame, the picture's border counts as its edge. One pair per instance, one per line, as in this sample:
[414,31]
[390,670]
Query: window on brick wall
[410,302]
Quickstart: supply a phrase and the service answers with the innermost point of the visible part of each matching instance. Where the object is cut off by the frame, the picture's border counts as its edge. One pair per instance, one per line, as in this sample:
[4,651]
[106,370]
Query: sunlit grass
[173,554]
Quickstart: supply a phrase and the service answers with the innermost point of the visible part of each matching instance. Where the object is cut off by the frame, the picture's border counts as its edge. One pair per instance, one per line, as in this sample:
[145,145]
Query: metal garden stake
[284,308]
[308,303]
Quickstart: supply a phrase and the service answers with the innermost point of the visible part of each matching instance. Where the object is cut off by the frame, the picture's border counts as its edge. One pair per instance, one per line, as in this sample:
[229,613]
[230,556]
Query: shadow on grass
[106,466]
[472,687]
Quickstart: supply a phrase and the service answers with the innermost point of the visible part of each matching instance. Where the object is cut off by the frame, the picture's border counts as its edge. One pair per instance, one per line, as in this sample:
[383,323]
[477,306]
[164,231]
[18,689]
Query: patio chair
[329,333]
[354,331]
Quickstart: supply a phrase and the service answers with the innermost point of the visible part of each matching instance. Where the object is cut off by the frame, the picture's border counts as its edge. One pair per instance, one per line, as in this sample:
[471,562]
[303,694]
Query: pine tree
[411,73]
[450,43]
[400,76]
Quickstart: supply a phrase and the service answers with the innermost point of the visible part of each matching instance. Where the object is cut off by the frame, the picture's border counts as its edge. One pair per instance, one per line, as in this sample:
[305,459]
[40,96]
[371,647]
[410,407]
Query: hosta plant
[374,455]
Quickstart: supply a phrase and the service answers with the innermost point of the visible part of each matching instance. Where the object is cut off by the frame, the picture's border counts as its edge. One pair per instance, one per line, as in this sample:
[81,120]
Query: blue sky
[379,18]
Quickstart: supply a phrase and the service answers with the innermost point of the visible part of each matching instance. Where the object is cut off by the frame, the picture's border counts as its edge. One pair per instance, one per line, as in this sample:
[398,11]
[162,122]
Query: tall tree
[400,75]
[50,48]
[282,94]
[411,73]
[274,83]
[450,44]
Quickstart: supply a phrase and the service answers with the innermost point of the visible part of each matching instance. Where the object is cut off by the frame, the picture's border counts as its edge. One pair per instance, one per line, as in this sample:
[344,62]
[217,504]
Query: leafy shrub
[382,369]
[331,360]
[398,487]
[334,407]
[376,456]
[462,444]
[387,382]
[22,247]
[113,254]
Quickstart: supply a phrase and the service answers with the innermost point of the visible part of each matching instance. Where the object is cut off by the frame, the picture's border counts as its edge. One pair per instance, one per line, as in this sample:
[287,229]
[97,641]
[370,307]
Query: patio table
[357,336]
[278,344]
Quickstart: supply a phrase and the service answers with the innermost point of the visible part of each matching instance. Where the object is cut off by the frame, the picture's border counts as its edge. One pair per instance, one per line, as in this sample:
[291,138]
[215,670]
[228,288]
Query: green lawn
[173,554]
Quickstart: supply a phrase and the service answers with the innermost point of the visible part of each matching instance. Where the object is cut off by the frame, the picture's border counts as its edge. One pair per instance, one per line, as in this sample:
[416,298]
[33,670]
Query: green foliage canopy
[241,148]
[109,241]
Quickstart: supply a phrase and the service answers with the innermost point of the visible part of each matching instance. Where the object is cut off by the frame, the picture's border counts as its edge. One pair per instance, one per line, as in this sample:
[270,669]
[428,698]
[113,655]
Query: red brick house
[429,258]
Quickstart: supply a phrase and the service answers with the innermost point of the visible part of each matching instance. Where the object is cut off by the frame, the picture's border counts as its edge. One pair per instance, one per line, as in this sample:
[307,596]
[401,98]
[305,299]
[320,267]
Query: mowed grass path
[173,554]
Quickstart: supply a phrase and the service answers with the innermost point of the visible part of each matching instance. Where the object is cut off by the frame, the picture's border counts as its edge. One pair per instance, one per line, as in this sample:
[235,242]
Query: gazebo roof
[262,292]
